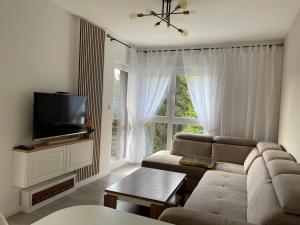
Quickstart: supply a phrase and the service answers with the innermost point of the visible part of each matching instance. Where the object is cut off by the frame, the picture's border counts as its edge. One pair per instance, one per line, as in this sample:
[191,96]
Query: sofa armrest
[181,216]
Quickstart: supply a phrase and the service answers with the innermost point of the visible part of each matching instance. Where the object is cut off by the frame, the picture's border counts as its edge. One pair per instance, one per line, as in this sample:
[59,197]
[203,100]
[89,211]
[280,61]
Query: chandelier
[166,13]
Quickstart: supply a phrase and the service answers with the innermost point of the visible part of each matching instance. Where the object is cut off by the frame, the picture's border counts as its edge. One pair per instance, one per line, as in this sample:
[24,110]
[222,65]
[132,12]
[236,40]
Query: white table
[95,215]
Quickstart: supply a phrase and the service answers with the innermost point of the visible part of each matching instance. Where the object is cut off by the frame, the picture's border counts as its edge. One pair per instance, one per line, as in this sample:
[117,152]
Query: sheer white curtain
[252,92]
[205,78]
[148,79]
[241,96]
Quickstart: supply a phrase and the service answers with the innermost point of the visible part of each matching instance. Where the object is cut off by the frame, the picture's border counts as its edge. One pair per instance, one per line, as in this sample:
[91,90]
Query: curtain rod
[114,39]
[222,47]
[197,49]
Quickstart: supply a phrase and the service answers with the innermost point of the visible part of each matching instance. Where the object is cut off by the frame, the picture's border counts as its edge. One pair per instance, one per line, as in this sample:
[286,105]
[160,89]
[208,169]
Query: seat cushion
[250,159]
[181,147]
[258,175]
[275,154]
[165,161]
[229,167]
[279,166]
[263,207]
[220,193]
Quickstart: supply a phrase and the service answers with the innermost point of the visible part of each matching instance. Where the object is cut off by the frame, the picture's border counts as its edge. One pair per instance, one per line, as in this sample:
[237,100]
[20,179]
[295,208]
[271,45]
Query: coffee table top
[149,184]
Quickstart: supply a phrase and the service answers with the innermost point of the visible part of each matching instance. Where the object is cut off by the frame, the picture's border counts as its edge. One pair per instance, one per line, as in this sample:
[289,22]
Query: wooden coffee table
[157,189]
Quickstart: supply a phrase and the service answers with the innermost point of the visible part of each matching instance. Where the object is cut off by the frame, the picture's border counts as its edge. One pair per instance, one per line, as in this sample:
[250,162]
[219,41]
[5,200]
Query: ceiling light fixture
[165,15]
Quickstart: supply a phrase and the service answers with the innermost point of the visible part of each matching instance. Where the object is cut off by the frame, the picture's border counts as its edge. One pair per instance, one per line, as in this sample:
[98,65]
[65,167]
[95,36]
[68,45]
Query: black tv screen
[58,115]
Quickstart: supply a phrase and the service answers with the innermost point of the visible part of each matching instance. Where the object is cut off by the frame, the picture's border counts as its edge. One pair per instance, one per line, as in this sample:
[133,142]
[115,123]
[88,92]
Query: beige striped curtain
[90,83]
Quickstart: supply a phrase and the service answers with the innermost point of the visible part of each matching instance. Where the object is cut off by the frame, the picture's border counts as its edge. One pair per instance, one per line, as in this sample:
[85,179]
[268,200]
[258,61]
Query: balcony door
[119,121]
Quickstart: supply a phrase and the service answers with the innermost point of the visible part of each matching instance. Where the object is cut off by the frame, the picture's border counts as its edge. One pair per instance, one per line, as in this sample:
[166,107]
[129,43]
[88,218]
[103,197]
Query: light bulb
[184,32]
[156,24]
[183,4]
[133,15]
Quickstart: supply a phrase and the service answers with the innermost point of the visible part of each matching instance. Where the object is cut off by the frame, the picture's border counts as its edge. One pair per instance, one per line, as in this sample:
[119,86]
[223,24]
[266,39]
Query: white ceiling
[215,21]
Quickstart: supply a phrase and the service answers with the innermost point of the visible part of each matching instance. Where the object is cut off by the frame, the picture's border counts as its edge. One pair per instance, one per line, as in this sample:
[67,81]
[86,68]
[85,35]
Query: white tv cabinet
[46,162]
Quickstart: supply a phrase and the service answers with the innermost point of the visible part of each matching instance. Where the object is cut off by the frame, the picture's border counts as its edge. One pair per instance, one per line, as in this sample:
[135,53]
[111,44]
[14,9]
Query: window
[156,137]
[175,114]
[119,122]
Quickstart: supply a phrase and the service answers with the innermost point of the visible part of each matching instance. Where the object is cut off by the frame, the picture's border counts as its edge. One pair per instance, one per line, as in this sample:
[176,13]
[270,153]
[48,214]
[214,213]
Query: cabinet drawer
[44,165]
[79,155]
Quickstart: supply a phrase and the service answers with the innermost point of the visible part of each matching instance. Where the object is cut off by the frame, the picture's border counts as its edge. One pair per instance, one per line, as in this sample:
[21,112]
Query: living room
[133,92]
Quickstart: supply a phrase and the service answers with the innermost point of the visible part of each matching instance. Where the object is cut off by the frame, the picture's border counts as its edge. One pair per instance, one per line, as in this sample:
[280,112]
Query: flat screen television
[58,115]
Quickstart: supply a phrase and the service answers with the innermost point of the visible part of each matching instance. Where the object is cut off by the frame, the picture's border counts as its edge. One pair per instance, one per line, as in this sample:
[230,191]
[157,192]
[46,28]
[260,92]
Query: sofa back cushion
[182,147]
[277,154]
[250,159]
[194,137]
[235,141]
[287,188]
[279,166]
[265,146]
[230,153]
[231,149]
[265,206]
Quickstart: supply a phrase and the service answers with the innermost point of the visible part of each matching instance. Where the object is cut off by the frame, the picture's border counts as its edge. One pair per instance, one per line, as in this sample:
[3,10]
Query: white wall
[38,52]
[289,131]
[116,56]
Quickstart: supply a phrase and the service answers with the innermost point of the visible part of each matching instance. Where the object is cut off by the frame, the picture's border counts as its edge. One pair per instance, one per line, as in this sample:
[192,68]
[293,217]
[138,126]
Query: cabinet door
[79,155]
[46,164]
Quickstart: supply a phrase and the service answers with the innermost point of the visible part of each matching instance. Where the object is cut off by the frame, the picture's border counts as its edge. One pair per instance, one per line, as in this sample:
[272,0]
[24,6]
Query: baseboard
[13,212]
[93,178]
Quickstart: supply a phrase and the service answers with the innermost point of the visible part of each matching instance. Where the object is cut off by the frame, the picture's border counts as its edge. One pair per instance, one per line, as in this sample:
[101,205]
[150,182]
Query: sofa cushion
[265,146]
[230,153]
[293,157]
[275,154]
[250,159]
[235,141]
[182,216]
[194,137]
[263,207]
[258,175]
[182,147]
[220,193]
[287,188]
[165,161]
[279,166]
[229,167]
[236,182]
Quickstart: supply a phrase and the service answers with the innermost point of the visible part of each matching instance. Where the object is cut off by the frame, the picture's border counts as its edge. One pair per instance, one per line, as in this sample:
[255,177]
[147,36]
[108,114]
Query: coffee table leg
[156,210]
[180,196]
[110,201]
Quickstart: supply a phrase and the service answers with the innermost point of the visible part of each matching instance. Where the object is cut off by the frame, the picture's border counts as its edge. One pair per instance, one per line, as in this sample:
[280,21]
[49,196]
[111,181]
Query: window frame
[170,119]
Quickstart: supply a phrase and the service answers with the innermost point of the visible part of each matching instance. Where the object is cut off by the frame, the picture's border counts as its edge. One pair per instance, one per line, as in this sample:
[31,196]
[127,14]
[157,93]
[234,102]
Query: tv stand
[48,161]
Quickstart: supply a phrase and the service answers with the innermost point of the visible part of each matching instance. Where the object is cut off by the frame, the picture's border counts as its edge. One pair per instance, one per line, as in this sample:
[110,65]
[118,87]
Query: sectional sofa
[252,183]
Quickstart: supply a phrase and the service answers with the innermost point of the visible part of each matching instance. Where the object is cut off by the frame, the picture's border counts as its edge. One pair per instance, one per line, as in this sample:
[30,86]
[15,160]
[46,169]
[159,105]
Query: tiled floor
[90,194]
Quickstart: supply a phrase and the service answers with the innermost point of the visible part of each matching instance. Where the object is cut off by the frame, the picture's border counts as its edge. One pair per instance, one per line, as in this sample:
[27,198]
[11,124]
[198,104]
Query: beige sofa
[252,183]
